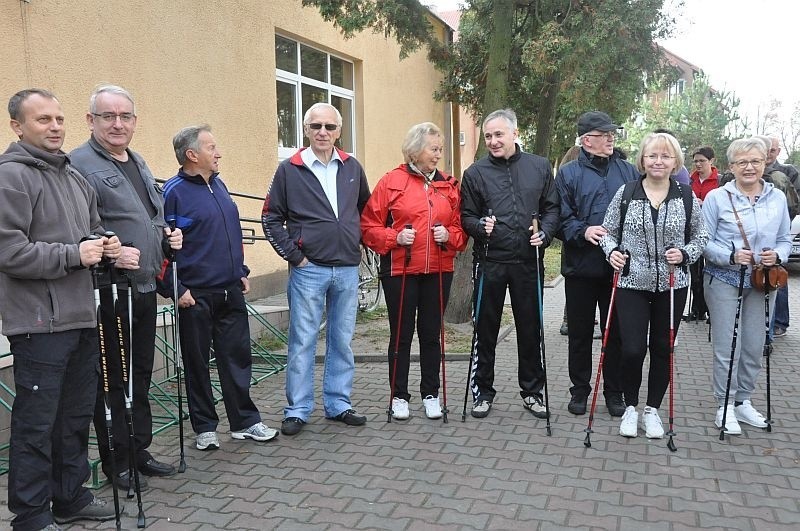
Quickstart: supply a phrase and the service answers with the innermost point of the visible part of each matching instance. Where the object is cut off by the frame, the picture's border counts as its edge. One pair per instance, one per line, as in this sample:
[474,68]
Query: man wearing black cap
[586,186]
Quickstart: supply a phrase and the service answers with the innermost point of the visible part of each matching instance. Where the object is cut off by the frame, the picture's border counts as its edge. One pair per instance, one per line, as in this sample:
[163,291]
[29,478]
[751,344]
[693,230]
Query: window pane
[312,95]
[345,107]
[287,115]
[341,73]
[313,63]
[285,54]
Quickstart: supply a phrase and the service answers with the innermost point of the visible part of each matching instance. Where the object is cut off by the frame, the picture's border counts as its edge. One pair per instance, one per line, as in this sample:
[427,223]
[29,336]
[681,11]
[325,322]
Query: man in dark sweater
[212,283]
[311,217]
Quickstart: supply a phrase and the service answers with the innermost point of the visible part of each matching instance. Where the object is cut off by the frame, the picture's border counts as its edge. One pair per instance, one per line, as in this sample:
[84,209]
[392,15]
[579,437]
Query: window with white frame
[304,76]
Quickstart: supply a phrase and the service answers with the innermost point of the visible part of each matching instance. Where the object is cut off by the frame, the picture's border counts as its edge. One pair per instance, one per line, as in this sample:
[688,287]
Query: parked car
[795,232]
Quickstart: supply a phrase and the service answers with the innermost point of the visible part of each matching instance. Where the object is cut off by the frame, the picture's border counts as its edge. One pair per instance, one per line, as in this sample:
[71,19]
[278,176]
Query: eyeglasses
[653,157]
[742,164]
[328,127]
[110,117]
[608,135]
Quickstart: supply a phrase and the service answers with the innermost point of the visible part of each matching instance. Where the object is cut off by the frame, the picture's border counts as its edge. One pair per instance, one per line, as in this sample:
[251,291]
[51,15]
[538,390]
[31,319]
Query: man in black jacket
[514,186]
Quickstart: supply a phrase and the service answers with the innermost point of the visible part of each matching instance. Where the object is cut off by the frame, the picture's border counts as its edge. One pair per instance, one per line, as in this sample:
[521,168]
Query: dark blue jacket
[298,220]
[212,256]
[585,191]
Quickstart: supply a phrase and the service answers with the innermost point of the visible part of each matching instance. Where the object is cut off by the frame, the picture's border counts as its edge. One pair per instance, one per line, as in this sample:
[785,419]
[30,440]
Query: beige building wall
[191,61]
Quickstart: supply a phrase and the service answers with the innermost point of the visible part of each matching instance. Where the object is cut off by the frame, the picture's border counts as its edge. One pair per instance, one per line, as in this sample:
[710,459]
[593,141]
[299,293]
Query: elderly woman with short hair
[752,206]
[414,260]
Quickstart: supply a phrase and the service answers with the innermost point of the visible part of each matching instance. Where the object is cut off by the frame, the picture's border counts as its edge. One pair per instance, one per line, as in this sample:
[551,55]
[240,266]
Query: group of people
[629,234]
[630,229]
[65,216]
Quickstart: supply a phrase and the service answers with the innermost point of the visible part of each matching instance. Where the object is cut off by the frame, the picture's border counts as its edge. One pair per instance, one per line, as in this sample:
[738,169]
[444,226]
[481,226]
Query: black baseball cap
[595,121]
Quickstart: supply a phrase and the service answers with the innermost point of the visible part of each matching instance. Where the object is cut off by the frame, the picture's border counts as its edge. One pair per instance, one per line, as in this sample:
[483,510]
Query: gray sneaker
[52,527]
[258,432]
[98,510]
[535,405]
[207,440]
[481,409]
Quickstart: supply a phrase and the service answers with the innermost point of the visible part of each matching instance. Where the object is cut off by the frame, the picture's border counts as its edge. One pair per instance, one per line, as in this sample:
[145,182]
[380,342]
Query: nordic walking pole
[767,344]
[126,366]
[406,260]
[540,295]
[176,342]
[671,432]
[476,311]
[742,272]
[442,247]
[104,376]
[587,442]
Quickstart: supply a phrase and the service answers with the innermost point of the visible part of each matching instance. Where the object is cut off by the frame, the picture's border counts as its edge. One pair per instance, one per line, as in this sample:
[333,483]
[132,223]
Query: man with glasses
[586,186]
[130,205]
[780,321]
[311,217]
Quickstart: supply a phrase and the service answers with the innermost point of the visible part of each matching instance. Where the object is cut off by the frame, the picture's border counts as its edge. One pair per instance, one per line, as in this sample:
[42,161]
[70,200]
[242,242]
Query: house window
[304,76]
[677,88]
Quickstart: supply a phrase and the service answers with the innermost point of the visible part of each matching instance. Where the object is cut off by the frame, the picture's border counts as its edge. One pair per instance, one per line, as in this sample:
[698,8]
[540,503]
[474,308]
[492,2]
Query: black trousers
[521,281]
[55,381]
[584,295]
[218,319]
[699,305]
[637,311]
[142,351]
[421,306]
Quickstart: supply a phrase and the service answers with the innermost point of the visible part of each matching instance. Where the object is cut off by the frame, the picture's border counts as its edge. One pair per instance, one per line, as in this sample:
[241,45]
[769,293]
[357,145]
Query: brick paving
[502,472]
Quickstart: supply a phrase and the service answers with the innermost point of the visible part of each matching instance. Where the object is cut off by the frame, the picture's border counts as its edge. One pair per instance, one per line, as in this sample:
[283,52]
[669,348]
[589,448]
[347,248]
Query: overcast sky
[749,47]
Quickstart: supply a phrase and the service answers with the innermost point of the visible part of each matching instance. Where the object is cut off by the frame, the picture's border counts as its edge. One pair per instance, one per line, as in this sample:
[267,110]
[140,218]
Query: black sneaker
[577,405]
[124,481]
[98,510]
[351,418]
[615,404]
[292,425]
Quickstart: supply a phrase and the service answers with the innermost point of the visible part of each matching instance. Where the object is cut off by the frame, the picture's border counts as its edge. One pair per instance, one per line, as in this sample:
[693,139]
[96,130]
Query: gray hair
[662,139]
[506,114]
[186,139]
[16,101]
[109,89]
[743,145]
[767,141]
[322,105]
[416,139]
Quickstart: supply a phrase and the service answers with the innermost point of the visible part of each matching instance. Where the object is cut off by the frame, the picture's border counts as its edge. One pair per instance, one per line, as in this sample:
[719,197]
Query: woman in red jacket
[704,178]
[415,194]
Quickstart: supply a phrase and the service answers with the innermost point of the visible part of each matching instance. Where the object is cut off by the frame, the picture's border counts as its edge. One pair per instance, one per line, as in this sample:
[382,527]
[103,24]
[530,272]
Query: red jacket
[700,189]
[401,198]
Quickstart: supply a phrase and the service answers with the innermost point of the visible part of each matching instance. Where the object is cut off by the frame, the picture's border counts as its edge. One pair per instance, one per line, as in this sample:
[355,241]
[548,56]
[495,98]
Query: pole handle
[535,222]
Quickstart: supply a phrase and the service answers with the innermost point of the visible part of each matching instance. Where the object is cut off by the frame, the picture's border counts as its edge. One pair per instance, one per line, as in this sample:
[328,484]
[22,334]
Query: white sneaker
[630,421]
[653,427]
[258,432]
[749,415]
[731,424]
[207,440]
[481,408]
[432,408]
[399,409]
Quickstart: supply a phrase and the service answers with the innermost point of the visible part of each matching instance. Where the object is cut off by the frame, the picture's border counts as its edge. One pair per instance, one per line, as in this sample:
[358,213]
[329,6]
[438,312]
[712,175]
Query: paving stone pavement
[501,472]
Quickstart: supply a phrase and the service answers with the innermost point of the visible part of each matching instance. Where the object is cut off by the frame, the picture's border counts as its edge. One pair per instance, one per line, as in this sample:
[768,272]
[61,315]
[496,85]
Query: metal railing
[267,361]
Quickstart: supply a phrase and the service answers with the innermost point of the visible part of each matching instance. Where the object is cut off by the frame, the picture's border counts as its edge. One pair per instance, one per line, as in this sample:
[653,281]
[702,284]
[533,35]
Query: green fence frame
[163,388]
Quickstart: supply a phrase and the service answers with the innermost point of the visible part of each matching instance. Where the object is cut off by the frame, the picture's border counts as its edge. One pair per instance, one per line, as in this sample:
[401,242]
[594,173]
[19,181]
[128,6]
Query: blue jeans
[311,289]
[781,315]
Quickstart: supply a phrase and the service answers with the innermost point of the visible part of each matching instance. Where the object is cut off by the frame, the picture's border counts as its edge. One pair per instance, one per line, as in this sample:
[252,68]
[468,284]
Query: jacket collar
[297,160]
[196,179]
